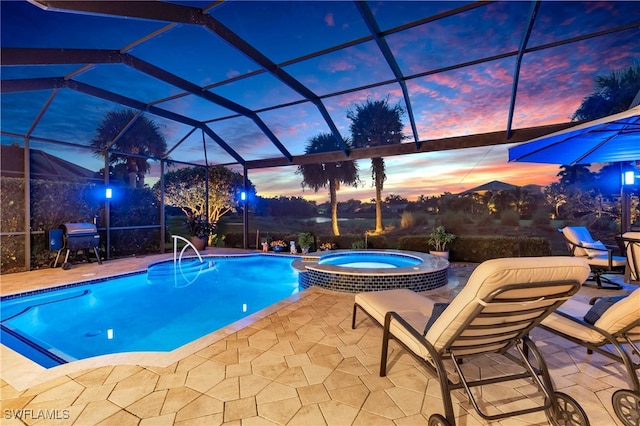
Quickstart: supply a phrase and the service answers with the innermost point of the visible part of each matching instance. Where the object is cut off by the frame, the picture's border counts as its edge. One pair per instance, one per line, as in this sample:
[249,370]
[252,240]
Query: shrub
[414,243]
[408,220]
[541,219]
[453,221]
[510,218]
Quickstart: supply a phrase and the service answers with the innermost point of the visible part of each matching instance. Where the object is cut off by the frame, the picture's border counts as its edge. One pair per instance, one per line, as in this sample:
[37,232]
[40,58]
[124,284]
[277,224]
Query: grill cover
[80,236]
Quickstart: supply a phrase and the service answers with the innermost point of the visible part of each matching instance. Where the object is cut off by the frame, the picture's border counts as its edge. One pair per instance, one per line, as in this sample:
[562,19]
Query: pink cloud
[328,19]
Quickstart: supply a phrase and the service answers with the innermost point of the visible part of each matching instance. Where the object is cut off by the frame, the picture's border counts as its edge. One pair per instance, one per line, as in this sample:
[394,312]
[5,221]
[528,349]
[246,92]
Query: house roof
[496,185]
[42,165]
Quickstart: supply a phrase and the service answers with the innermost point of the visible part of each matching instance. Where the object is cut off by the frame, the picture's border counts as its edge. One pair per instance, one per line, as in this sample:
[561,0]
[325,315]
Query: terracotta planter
[444,254]
[199,242]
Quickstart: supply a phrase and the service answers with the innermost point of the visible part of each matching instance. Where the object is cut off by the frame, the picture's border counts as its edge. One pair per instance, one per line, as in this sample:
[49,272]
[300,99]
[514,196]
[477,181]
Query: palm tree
[578,174]
[321,175]
[521,199]
[375,123]
[141,138]
[613,93]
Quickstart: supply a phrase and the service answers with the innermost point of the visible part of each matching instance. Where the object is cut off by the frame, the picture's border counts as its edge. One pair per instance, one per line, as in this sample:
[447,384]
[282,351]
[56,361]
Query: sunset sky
[459,73]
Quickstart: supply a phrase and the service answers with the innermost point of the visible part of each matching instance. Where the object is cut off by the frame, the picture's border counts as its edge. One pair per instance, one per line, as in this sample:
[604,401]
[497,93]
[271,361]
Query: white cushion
[576,235]
[614,319]
[486,278]
[633,255]
[595,248]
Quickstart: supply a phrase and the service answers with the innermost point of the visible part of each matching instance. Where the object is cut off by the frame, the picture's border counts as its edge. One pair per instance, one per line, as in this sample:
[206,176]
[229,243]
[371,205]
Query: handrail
[175,249]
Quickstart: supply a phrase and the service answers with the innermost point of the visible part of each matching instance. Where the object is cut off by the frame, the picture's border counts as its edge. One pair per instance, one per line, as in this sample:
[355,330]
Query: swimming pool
[159,310]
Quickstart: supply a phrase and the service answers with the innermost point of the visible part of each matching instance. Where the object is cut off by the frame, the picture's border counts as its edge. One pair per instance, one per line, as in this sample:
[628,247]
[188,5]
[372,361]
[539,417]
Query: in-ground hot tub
[372,270]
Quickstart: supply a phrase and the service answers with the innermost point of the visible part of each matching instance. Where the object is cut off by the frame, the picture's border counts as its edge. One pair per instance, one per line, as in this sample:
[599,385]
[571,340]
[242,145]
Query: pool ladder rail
[178,259]
[177,263]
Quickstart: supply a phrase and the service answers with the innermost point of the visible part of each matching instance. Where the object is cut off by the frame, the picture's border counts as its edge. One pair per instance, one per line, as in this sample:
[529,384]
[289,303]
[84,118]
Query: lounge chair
[580,243]
[613,333]
[631,245]
[493,314]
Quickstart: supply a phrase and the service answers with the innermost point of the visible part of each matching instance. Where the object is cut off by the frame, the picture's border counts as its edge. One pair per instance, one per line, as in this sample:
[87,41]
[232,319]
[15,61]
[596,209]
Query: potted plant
[278,246]
[199,230]
[439,238]
[306,240]
[328,246]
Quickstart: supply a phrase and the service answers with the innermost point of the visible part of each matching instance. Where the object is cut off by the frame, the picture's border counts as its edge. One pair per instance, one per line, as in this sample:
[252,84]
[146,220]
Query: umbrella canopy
[606,140]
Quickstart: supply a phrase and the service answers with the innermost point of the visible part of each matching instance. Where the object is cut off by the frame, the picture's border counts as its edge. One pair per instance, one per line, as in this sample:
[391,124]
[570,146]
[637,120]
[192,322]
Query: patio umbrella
[610,139]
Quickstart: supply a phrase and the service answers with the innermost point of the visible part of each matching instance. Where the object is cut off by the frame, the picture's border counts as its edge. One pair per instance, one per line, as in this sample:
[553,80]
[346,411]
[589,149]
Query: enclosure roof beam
[459,142]
[170,12]
[46,56]
[369,19]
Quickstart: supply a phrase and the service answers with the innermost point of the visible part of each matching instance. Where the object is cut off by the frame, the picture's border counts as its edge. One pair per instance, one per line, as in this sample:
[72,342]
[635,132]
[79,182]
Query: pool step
[164,273]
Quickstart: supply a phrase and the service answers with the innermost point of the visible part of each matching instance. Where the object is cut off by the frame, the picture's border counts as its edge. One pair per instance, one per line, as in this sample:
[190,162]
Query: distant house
[397,208]
[43,166]
[496,185]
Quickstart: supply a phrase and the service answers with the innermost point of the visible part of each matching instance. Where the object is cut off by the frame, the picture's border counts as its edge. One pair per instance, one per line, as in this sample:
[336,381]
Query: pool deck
[297,363]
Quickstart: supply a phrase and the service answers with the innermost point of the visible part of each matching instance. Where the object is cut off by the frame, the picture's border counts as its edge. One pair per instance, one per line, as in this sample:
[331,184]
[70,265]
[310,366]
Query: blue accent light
[108,193]
[243,196]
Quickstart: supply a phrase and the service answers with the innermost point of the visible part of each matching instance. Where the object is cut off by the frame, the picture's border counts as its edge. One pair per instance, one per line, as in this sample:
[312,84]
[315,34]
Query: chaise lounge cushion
[633,255]
[578,235]
[486,278]
[600,307]
[596,253]
[620,315]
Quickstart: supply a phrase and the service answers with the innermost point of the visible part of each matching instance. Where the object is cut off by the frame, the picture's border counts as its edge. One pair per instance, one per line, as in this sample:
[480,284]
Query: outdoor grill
[78,236]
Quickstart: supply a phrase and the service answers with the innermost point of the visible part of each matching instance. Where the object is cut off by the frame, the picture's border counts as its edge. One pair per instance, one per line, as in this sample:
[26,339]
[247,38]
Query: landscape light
[243,195]
[628,177]
[108,193]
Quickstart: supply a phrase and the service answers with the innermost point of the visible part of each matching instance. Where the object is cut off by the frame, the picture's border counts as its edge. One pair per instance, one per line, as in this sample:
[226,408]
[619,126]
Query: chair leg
[598,278]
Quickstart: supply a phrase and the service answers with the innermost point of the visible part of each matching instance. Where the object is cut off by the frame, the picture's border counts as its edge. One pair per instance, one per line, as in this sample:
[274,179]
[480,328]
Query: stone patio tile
[171,380]
[97,411]
[313,394]
[316,373]
[307,415]
[95,377]
[205,376]
[94,393]
[275,391]
[226,390]
[239,409]
[165,420]
[337,413]
[410,402]
[236,370]
[202,406]
[293,377]
[121,418]
[177,398]
[280,411]
[149,406]
[365,418]
[354,396]
[252,385]
[297,360]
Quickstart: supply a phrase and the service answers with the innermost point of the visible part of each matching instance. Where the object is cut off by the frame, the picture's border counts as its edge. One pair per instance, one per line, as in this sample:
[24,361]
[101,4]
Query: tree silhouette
[613,93]
[375,123]
[126,132]
[332,175]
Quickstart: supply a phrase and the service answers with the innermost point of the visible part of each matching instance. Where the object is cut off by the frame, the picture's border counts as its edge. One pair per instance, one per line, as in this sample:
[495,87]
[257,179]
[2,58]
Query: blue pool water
[160,310]
[369,260]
